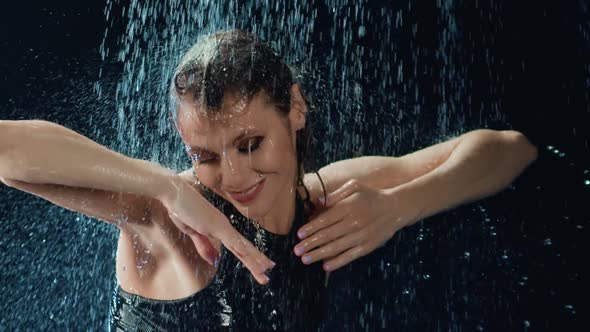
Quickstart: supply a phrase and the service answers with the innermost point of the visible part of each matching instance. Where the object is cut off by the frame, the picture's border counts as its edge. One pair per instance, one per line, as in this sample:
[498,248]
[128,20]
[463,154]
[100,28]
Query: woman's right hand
[196,217]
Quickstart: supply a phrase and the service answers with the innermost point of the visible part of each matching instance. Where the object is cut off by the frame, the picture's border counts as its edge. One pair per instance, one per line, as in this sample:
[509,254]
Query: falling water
[385,80]
[367,86]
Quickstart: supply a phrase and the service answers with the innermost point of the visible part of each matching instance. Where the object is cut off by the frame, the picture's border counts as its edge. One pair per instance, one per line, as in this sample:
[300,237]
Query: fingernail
[322,200]
[272,264]
[327,267]
[266,278]
[306,259]
[298,250]
[301,234]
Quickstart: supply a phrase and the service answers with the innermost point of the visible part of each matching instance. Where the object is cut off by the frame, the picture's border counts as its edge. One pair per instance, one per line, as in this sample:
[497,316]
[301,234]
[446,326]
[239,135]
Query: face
[246,154]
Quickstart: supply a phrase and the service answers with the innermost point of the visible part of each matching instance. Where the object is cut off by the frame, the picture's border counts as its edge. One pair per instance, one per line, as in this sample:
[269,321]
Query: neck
[280,219]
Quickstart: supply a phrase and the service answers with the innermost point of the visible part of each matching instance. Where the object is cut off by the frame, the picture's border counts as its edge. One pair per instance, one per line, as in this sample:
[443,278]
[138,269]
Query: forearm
[43,152]
[476,168]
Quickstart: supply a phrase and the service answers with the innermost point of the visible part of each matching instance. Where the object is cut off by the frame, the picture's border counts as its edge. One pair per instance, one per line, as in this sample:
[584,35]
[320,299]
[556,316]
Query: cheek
[206,175]
[275,157]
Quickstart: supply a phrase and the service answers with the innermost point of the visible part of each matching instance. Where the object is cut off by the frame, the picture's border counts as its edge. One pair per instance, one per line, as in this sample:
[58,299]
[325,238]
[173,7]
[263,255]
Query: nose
[232,175]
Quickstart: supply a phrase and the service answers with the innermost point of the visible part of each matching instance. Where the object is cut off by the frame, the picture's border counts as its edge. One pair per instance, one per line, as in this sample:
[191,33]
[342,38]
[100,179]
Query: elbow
[521,145]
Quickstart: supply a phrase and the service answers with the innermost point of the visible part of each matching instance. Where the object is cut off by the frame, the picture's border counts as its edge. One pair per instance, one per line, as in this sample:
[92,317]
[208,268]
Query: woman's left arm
[377,196]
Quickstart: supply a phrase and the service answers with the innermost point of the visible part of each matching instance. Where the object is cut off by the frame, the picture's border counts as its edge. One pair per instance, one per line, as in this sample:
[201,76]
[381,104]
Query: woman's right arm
[43,153]
[121,209]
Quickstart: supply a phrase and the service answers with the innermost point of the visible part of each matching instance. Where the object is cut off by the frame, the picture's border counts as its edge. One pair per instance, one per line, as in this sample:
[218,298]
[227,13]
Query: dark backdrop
[50,61]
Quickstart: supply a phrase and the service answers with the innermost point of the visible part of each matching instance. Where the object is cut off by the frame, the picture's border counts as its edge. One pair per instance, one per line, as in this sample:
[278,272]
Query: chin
[265,201]
[257,208]
[253,210]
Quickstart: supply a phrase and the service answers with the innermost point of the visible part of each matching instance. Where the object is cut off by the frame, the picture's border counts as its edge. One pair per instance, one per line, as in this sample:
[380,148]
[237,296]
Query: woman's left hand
[357,220]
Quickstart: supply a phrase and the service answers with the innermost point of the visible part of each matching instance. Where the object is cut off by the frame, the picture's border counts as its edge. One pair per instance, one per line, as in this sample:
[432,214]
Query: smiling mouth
[247,195]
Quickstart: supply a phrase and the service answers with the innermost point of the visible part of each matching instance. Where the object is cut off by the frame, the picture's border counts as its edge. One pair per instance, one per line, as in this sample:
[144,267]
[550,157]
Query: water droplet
[547,242]
[362,31]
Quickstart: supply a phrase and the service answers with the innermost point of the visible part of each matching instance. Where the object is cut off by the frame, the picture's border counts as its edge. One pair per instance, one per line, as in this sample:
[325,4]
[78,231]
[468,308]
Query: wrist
[162,183]
[168,187]
[404,205]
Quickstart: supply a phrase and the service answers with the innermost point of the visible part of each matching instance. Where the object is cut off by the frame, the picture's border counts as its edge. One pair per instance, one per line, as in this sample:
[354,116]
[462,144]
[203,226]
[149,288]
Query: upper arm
[388,172]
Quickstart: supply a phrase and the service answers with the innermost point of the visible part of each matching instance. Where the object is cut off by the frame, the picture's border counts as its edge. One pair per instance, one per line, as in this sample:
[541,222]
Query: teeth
[249,191]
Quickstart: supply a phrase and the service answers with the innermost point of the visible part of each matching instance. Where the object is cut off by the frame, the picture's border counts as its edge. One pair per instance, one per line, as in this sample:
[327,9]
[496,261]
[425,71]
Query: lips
[249,194]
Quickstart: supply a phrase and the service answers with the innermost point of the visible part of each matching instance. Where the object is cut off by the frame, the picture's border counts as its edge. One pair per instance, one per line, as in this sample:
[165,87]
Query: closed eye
[251,144]
[203,157]
[248,146]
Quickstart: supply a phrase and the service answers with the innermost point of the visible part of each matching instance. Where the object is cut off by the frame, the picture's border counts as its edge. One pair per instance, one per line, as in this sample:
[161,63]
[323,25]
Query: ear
[298,109]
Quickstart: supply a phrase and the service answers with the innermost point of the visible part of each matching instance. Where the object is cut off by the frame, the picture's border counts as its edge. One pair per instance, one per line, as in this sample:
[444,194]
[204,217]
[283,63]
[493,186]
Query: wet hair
[238,63]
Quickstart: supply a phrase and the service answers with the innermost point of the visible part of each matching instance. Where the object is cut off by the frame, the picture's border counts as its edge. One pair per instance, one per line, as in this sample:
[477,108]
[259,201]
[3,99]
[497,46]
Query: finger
[256,262]
[321,237]
[345,258]
[333,248]
[246,252]
[347,189]
[332,215]
[205,248]
[320,222]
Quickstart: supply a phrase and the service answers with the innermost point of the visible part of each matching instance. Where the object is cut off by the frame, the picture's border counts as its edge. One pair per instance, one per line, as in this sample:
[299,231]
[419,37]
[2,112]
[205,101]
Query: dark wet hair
[240,63]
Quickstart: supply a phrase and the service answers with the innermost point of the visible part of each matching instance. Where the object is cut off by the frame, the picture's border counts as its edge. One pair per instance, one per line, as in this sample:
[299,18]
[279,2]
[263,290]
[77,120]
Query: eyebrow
[236,139]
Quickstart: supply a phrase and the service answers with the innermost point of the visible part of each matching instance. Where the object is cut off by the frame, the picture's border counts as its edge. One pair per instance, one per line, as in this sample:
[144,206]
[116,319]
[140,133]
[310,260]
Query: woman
[242,118]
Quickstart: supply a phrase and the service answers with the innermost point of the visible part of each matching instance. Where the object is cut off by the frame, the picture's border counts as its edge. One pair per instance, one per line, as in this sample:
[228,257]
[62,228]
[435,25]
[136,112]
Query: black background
[49,52]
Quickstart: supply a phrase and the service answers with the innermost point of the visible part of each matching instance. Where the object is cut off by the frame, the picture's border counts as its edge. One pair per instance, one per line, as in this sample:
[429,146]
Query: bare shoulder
[363,169]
